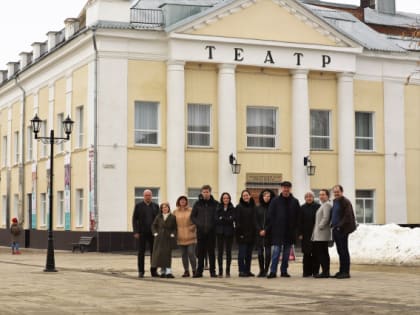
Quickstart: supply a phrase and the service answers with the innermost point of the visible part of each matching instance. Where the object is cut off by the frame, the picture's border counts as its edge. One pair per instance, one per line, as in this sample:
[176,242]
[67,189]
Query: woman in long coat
[164,231]
[263,241]
[322,235]
[245,232]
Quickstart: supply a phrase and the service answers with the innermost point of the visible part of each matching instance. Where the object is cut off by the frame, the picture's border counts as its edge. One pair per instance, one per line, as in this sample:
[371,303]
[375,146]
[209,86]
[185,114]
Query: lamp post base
[50,265]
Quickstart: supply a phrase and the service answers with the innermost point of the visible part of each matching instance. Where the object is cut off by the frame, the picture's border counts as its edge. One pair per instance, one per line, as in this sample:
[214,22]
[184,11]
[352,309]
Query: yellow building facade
[271,82]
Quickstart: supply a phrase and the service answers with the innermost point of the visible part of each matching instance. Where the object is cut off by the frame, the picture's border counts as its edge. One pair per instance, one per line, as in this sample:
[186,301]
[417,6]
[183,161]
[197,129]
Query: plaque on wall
[263,178]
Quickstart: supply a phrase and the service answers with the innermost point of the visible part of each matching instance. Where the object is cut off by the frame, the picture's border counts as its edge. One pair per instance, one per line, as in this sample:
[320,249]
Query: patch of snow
[383,244]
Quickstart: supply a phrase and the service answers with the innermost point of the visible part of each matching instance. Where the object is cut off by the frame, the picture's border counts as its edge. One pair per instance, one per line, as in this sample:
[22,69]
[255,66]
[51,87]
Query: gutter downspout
[22,148]
[95,138]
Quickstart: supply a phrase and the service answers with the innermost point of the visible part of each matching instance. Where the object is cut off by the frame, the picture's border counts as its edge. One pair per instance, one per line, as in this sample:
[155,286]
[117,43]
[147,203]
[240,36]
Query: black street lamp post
[51,140]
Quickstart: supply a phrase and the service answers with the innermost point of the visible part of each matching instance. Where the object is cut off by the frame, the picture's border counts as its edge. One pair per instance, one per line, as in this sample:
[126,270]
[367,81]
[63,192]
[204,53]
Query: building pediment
[285,21]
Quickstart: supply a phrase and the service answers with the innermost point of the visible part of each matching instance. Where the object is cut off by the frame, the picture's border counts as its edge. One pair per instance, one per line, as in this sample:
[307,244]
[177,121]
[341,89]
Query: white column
[346,134]
[226,100]
[112,183]
[175,128]
[69,94]
[394,136]
[300,132]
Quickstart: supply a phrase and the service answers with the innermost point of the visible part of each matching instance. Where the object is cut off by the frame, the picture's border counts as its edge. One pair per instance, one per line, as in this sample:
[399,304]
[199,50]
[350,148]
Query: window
[60,131]
[146,123]
[138,194]
[79,126]
[43,213]
[364,131]
[16,146]
[261,127]
[29,143]
[44,134]
[60,208]
[199,125]
[4,151]
[316,193]
[193,194]
[365,206]
[79,207]
[320,130]
[4,210]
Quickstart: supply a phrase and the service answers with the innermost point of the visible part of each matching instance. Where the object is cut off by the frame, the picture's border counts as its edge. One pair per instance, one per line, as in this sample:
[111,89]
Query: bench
[83,243]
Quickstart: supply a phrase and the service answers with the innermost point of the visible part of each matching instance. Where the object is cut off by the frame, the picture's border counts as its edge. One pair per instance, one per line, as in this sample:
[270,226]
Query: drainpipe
[95,138]
[22,148]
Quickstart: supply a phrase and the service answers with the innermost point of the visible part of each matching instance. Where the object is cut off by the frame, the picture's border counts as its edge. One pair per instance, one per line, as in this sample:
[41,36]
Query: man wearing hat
[283,214]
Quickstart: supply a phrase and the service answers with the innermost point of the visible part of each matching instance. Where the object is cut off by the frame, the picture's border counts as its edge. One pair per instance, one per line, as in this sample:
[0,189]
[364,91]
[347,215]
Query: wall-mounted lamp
[236,167]
[310,168]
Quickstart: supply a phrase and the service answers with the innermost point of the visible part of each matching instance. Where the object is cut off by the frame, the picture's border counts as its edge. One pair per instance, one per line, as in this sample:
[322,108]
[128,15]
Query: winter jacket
[262,219]
[283,214]
[225,219]
[186,229]
[143,217]
[203,215]
[164,232]
[347,221]
[306,224]
[322,229]
[15,231]
[245,217]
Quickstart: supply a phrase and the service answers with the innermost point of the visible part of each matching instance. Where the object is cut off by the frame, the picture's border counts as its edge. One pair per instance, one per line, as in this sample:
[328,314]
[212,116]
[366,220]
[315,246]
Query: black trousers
[310,261]
[141,243]
[224,242]
[206,244]
[264,257]
[323,256]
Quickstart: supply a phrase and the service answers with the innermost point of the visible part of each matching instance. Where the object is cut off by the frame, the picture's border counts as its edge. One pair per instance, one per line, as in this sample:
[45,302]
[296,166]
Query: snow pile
[383,244]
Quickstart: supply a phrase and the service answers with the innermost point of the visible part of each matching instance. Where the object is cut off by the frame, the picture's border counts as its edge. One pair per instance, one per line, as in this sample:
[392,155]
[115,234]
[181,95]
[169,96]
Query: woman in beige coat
[322,234]
[186,235]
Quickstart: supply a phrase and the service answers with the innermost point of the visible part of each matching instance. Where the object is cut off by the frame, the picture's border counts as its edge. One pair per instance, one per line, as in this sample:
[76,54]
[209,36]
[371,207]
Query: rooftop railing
[150,17]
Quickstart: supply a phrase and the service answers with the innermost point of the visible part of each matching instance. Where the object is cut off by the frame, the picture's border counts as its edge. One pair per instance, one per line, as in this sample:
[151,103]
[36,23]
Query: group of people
[271,227]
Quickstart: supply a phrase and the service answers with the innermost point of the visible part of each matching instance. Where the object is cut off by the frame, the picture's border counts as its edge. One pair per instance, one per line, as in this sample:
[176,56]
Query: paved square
[98,283]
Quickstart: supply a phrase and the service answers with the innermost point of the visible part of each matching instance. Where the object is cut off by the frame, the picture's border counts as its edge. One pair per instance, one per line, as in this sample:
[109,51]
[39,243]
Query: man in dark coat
[203,216]
[143,217]
[306,227]
[283,214]
[343,223]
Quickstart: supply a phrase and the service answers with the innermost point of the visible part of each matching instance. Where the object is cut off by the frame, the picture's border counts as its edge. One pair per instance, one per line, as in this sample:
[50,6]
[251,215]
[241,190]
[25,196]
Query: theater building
[164,92]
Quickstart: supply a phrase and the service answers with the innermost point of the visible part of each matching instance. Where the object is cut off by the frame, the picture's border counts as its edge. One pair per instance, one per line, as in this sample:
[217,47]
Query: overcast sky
[23,22]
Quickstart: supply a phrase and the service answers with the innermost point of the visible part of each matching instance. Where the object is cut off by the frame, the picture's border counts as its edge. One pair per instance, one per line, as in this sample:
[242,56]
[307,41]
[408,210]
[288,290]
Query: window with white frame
[43,209]
[146,123]
[365,206]
[29,143]
[261,127]
[44,151]
[79,126]
[15,206]
[193,194]
[60,208]
[199,120]
[4,151]
[79,206]
[316,194]
[364,131]
[60,131]
[138,194]
[4,210]
[320,130]
[16,147]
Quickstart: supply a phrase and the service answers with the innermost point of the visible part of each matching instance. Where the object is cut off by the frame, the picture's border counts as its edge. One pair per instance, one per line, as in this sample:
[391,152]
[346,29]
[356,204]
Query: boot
[261,265]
